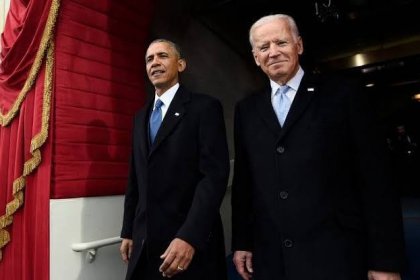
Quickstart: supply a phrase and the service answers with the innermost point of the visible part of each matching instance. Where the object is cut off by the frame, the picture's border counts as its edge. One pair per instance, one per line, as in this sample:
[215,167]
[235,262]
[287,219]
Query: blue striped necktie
[155,120]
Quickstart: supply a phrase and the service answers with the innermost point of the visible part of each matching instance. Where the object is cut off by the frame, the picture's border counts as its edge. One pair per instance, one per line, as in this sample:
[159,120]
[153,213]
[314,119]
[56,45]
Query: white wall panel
[85,220]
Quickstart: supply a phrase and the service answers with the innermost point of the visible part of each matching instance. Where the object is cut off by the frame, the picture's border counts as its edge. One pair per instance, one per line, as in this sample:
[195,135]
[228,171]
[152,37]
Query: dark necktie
[155,120]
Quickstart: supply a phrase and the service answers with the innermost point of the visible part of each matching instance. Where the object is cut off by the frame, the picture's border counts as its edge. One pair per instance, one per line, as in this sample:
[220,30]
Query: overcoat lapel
[306,91]
[174,115]
[266,111]
[303,97]
[144,133]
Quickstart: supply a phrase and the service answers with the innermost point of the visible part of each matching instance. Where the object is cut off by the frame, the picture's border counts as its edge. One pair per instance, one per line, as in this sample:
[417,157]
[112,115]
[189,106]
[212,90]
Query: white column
[4,7]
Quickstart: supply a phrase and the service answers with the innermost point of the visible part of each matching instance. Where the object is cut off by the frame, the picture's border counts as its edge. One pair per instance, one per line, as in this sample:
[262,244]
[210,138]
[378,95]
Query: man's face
[276,51]
[163,65]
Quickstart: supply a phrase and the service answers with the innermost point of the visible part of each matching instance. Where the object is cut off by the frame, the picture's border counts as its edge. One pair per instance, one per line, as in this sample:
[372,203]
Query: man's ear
[255,58]
[182,64]
[300,45]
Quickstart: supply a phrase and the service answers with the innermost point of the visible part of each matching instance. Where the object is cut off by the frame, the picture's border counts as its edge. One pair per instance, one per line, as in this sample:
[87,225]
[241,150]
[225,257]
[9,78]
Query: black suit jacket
[176,186]
[314,199]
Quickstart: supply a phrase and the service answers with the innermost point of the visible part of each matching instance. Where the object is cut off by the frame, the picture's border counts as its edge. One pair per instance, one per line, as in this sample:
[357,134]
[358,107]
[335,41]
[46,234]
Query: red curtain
[100,48]
[25,156]
[66,106]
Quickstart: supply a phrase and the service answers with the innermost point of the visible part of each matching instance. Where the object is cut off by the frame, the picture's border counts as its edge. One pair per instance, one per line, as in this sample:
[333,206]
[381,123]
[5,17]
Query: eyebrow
[157,54]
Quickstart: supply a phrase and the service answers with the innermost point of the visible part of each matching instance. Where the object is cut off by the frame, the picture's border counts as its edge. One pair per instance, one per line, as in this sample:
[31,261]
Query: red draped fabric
[99,84]
[25,156]
[66,124]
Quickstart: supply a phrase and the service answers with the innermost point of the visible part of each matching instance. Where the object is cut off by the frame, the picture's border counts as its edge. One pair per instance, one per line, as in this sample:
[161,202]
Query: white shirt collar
[167,96]
[293,83]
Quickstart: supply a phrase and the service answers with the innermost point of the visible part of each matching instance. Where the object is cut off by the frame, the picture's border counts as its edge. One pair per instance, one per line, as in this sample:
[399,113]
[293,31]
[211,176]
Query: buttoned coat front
[313,199]
[176,185]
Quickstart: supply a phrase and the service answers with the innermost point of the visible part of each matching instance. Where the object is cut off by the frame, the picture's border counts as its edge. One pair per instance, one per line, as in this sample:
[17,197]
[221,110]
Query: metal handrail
[92,246]
[79,247]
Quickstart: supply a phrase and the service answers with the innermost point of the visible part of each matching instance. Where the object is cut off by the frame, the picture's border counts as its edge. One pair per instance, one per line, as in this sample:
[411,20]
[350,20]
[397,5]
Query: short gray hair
[266,19]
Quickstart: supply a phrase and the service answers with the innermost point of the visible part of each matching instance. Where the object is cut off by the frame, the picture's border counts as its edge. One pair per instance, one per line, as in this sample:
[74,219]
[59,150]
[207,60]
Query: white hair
[266,19]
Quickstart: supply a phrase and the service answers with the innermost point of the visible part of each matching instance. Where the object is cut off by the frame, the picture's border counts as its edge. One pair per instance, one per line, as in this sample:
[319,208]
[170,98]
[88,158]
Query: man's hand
[243,263]
[381,275]
[176,258]
[125,249]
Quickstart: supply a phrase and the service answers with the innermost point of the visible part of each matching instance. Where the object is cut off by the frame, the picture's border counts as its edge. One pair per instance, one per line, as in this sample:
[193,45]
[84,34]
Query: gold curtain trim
[5,119]
[39,139]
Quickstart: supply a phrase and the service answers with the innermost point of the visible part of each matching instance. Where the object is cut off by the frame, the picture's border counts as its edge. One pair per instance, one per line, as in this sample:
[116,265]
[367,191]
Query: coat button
[288,243]
[284,194]
[280,149]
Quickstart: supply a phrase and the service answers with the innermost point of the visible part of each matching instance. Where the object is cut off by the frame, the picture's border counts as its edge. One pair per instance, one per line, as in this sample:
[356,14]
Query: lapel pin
[176,114]
[310,89]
